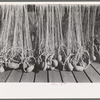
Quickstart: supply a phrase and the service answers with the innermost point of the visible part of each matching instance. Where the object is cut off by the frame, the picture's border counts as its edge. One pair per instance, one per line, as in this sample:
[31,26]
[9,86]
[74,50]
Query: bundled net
[16,43]
[54,36]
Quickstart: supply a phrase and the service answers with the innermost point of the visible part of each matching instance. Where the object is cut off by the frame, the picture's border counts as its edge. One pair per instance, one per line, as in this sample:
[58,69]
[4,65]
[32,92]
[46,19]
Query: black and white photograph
[50,43]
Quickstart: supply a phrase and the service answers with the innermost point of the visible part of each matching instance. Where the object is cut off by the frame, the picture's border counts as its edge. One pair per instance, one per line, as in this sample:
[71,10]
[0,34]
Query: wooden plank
[41,76]
[92,74]
[28,77]
[14,76]
[67,76]
[96,66]
[4,75]
[81,77]
[54,76]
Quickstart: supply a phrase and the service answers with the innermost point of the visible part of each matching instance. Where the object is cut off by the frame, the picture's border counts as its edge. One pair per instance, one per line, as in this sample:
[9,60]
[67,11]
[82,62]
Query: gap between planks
[92,74]
[14,76]
[28,77]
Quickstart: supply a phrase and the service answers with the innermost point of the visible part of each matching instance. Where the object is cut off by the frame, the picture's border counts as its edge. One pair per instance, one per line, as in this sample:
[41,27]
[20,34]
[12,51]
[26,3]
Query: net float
[1,68]
[55,63]
[70,67]
[30,68]
[12,65]
[94,58]
[25,66]
[79,68]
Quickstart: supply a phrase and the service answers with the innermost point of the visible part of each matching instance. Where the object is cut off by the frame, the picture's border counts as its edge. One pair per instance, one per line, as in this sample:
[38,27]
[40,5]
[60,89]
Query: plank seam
[34,77]
[61,76]
[8,76]
[21,77]
[87,76]
[47,76]
[74,77]
[94,69]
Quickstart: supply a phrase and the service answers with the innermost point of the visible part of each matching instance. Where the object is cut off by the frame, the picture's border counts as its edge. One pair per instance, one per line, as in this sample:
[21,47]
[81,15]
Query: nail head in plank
[54,76]
[4,75]
[93,75]
[14,76]
[96,66]
[81,77]
[28,77]
[41,76]
[68,76]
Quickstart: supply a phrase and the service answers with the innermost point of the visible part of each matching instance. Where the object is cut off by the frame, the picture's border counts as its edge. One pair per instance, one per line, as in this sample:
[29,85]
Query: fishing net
[59,30]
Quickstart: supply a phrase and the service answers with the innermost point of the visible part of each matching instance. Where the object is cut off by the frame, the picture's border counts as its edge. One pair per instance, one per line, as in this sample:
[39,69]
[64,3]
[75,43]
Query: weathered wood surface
[67,77]
[41,76]
[4,76]
[96,66]
[91,74]
[28,77]
[81,77]
[54,76]
[14,76]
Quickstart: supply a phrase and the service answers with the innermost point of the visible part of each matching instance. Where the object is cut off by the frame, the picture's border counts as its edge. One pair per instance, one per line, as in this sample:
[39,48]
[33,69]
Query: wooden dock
[90,75]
